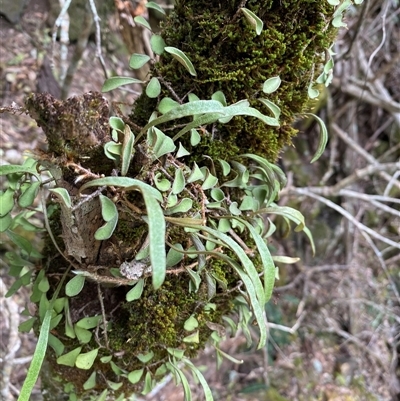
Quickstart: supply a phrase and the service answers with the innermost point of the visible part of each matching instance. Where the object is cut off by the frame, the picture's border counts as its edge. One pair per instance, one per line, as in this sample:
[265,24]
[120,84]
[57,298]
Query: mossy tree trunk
[230,57]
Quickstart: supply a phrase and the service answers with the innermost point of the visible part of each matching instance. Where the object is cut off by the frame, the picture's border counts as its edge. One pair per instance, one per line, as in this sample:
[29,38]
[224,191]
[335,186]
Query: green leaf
[26,326]
[181,152]
[266,258]
[22,243]
[6,202]
[146,358]
[136,291]
[312,93]
[195,137]
[44,285]
[186,110]
[109,213]
[162,184]
[323,137]
[117,123]
[37,360]
[56,344]
[174,256]
[69,358]
[28,167]
[210,180]
[62,195]
[90,382]
[219,95]
[176,352]
[207,391]
[182,207]
[89,322]
[226,168]
[85,361]
[196,174]
[84,336]
[271,84]
[102,396]
[142,21]
[153,88]
[181,57]
[124,182]
[192,338]
[135,376]
[191,323]
[74,286]
[116,82]
[127,149]
[28,196]
[185,384]
[138,60]
[179,182]
[254,21]
[155,6]
[217,194]
[157,44]
[167,104]
[272,106]
[148,384]
[162,144]
[5,222]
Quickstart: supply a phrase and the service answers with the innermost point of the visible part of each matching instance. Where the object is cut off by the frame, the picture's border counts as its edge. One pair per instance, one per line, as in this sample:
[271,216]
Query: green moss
[229,56]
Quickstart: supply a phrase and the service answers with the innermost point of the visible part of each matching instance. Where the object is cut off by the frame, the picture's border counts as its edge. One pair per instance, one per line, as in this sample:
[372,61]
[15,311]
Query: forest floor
[329,341]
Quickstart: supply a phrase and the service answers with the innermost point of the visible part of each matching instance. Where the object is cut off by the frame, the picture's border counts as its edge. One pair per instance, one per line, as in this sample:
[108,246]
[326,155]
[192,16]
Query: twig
[97,20]
[346,214]
[62,22]
[79,49]
[383,265]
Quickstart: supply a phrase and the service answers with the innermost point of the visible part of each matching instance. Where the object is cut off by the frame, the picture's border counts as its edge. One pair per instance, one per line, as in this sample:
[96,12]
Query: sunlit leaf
[136,291]
[6,202]
[155,6]
[206,388]
[135,376]
[69,358]
[167,104]
[74,286]
[109,213]
[179,182]
[153,88]
[191,323]
[157,44]
[89,322]
[146,358]
[271,84]
[181,207]
[180,56]
[254,21]
[90,382]
[138,60]
[312,93]
[28,196]
[116,82]
[62,195]
[127,149]
[5,222]
[181,152]
[323,137]
[195,137]
[142,21]
[85,360]
[272,106]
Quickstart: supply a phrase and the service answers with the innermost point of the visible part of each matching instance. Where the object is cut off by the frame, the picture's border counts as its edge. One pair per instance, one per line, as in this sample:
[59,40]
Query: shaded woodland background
[334,318]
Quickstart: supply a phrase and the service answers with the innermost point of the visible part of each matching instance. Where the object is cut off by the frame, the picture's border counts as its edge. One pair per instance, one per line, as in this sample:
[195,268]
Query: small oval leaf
[74,286]
[153,88]
[271,84]
[157,44]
